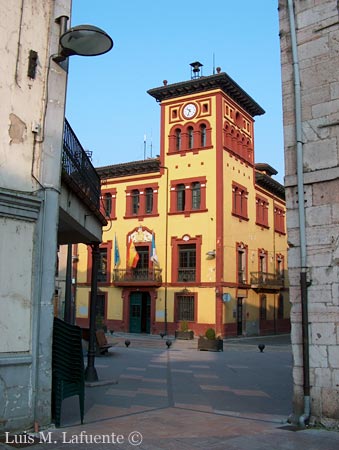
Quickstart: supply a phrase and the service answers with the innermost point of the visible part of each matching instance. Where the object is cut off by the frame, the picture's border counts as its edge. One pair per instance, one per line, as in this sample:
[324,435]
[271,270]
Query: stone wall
[317,25]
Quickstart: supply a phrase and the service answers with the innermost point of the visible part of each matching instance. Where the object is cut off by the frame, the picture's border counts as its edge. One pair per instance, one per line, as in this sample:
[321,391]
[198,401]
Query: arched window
[190,137]
[149,200]
[178,139]
[180,197]
[135,201]
[203,135]
[196,195]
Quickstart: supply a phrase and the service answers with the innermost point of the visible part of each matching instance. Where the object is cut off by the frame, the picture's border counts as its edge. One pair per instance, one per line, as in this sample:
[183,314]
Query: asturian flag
[116,252]
[154,256]
[132,255]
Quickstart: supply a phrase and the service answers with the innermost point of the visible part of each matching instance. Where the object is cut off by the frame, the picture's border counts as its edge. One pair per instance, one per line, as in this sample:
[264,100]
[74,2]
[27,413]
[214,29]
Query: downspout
[302,228]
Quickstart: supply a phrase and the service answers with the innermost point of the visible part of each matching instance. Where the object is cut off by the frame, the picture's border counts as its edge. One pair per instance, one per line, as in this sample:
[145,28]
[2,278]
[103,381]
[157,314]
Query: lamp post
[166,244]
[84,40]
[90,372]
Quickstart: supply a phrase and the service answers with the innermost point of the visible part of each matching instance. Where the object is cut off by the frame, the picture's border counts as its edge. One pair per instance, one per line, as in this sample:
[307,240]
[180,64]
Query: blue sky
[107,101]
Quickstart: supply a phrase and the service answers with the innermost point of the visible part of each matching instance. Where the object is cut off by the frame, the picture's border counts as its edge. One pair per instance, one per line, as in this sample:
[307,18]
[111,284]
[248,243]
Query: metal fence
[77,165]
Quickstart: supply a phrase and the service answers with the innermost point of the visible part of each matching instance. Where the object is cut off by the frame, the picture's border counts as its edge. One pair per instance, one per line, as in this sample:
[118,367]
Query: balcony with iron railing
[264,281]
[137,277]
[77,170]
[186,275]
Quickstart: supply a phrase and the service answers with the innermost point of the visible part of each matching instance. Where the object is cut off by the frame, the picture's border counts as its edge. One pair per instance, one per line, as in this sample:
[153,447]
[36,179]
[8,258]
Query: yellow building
[198,234]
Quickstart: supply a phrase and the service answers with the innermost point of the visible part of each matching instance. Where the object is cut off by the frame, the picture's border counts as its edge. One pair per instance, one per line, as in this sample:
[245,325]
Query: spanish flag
[132,255]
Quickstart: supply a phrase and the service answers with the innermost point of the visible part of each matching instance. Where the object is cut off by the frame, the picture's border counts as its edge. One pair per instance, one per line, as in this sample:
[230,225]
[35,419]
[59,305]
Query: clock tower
[207,147]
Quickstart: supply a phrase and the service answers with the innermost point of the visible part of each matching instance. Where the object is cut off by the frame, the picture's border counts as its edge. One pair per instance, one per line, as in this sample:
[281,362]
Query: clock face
[189,110]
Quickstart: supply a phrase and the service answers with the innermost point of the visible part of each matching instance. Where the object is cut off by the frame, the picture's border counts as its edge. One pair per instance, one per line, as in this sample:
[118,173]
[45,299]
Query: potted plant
[184,333]
[210,342]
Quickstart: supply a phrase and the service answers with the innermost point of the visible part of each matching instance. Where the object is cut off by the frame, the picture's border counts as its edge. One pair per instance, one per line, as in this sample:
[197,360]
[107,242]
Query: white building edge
[43,203]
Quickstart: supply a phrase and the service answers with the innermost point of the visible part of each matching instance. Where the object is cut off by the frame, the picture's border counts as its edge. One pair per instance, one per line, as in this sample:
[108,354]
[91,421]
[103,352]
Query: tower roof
[218,81]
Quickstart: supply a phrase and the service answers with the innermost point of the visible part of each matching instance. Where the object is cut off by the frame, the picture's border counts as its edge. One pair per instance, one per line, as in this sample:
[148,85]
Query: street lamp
[82,40]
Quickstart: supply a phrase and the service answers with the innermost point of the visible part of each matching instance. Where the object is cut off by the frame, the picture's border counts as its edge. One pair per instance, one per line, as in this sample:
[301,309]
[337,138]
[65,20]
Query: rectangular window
[261,211]
[188,196]
[239,201]
[135,201]
[102,269]
[186,307]
[141,201]
[279,220]
[242,264]
[280,266]
[187,263]
[149,200]
[262,264]
[108,203]
[181,197]
[196,195]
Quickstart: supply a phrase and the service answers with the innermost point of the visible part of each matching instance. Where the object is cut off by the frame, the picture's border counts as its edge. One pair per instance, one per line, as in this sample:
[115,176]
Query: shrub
[184,325]
[210,334]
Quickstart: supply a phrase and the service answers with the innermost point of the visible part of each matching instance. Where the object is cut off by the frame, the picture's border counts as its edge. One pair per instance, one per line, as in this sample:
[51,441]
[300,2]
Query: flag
[116,252]
[132,255]
[154,256]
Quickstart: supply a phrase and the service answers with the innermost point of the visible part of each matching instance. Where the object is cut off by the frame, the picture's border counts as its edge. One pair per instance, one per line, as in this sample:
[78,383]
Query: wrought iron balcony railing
[264,280]
[78,169]
[137,276]
[186,275]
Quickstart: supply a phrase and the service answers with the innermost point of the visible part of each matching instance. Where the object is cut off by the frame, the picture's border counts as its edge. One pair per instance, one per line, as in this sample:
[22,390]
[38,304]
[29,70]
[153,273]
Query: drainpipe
[302,228]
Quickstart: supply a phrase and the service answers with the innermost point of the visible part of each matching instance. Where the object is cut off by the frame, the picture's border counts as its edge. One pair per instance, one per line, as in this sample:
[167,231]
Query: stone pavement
[153,398]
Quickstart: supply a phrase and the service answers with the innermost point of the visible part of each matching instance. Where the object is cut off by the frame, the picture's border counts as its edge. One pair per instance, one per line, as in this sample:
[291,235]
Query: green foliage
[184,326]
[210,334]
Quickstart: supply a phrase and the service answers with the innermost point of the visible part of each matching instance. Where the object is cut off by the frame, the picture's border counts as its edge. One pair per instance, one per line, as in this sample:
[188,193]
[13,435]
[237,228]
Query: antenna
[151,146]
[213,63]
[144,146]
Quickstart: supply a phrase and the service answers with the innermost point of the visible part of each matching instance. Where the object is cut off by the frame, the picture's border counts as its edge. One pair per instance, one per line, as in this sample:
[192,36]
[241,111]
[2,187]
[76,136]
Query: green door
[135,312]
[140,312]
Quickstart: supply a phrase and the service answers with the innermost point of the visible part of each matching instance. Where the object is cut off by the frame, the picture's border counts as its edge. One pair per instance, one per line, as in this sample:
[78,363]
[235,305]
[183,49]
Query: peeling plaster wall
[31,124]
[18,25]
[15,298]
[317,24]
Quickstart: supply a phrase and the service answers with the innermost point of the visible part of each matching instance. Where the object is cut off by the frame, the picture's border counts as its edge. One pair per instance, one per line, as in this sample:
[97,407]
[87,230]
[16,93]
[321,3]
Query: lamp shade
[85,40]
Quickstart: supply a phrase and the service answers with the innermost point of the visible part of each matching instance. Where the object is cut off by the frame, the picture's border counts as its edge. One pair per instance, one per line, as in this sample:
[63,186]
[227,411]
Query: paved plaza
[154,398]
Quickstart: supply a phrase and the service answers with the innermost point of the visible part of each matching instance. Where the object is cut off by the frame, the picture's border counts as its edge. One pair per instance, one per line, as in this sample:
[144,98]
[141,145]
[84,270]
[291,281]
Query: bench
[102,344]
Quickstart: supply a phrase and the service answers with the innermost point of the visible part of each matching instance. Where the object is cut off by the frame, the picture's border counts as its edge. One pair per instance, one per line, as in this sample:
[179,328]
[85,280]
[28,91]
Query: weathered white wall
[29,186]
[22,99]
[15,298]
[317,23]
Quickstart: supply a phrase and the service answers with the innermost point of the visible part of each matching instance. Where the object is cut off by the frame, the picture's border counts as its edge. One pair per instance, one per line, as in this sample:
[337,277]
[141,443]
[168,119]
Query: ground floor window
[185,307]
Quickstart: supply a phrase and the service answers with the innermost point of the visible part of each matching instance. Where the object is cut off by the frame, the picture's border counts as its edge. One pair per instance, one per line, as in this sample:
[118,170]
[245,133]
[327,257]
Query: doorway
[140,312]
[239,316]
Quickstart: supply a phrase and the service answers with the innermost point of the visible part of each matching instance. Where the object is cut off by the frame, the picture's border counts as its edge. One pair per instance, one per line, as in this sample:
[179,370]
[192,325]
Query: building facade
[196,235]
[310,82]
[45,200]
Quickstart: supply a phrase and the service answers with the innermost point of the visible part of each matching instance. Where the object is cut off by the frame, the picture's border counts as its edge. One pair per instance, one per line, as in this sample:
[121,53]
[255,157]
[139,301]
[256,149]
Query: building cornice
[271,185]
[129,168]
[219,81]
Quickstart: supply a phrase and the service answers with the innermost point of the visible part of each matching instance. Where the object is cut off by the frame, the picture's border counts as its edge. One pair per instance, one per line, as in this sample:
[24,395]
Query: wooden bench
[102,344]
